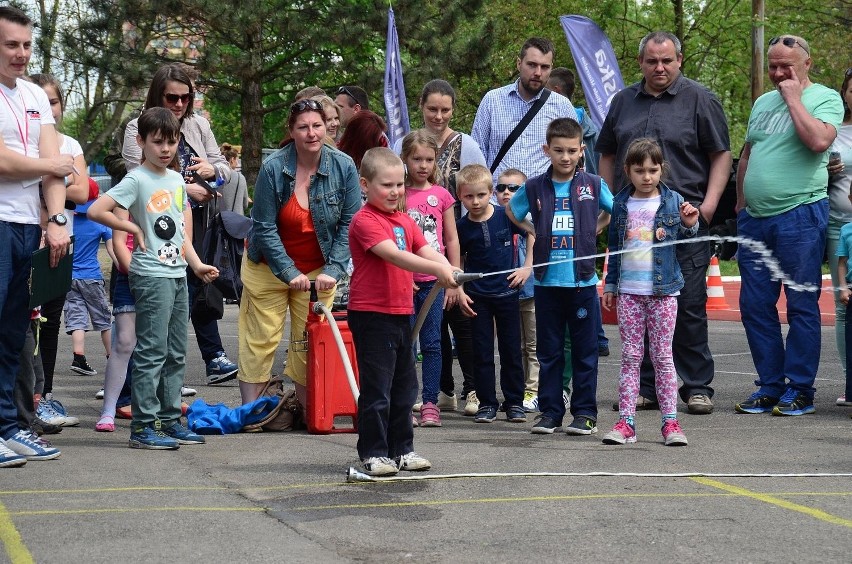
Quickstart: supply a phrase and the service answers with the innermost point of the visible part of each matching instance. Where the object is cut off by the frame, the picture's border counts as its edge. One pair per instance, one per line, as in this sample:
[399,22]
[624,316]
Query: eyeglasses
[345,90]
[788,42]
[510,187]
[173,98]
[306,106]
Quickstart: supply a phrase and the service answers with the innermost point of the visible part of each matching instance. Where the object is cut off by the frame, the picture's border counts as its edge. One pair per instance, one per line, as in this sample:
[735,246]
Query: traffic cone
[715,292]
[608,317]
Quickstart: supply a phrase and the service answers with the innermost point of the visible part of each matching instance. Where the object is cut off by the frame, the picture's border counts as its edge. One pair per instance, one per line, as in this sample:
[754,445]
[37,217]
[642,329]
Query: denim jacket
[667,275]
[334,197]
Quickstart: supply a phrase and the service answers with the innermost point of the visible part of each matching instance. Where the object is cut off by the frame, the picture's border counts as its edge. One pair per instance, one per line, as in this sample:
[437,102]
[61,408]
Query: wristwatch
[58,219]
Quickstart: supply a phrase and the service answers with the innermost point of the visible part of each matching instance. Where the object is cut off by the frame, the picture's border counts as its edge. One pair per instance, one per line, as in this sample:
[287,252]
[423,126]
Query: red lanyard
[25,136]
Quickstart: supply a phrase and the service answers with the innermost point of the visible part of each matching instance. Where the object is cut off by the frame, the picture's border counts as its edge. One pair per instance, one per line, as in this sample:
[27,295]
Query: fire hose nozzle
[462,277]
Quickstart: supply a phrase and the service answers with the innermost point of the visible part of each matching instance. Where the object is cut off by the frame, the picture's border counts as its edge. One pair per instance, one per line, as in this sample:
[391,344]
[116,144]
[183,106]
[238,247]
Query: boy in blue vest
[568,208]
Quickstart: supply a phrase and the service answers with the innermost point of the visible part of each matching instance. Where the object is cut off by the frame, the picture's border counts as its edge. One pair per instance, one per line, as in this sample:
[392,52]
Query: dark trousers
[49,339]
[503,312]
[460,324]
[388,381]
[690,348]
[557,310]
[206,333]
[25,385]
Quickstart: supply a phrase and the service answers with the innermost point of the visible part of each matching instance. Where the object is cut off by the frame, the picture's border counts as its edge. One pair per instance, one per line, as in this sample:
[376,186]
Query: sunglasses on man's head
[510,187]
[788,42]
[305,106]
[173,98]
[344,90]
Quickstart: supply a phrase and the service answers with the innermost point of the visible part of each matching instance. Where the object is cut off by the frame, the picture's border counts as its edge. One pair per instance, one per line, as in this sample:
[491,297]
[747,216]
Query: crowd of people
[526,196]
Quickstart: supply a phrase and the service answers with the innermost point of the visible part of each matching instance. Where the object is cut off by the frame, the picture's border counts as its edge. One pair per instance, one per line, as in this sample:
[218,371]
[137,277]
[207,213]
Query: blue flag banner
[596,64]
[395,104]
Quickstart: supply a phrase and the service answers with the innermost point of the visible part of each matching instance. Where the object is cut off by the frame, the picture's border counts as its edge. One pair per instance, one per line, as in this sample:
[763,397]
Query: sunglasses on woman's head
[305,105]
[788,42]
[510,187]
[173,98]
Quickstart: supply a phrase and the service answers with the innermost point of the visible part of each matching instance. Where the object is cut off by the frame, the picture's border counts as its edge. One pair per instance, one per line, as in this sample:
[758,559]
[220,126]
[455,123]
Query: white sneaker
[412,462]
[843,401]
[447,402]
[379,466]
[416,407]
[28,444]
[47,412]
[530,402]
[9,458]
[186,392]
[100,394]
[471,405]
[566,399]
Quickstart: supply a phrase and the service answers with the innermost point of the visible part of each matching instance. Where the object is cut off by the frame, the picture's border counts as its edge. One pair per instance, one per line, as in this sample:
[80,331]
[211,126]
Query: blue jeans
[506,314]
[430,340]
[388,383]
[797,241]
[558,309]
[18,242]
[162,315]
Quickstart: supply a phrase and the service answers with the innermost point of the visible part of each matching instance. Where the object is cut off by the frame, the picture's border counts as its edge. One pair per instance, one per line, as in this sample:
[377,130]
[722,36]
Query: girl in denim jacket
[646,215]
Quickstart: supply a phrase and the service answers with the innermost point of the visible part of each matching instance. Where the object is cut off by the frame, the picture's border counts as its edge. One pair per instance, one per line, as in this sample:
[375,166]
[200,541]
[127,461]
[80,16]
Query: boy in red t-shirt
[387,246]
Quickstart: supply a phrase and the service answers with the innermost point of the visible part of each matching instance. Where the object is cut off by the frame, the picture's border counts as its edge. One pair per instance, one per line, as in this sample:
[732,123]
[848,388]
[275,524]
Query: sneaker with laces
[183,435]
[447,402]
[44,428]
[699,404]
[471,405]
[152,439]
[843,402]
[186,392]
[81,366]
[530,402]
[515,414]
[758,402]
[673,434]
[623,432]
[379,466]
[566,399]
[412,462]
[9,458]
[28,444]
[99,394]
[582,425]
[221,369]
[794,402]
[47,412]
[485,414]
[430,415]
[546,426]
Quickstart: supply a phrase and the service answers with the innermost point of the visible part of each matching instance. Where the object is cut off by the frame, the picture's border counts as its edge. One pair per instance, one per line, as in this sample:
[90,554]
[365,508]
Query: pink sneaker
[106,424]
[673,434]
[430,415]
[843,402]
[620,434]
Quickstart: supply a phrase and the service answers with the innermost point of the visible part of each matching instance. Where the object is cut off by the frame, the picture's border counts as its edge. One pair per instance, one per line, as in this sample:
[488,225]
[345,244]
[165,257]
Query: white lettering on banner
[607,75]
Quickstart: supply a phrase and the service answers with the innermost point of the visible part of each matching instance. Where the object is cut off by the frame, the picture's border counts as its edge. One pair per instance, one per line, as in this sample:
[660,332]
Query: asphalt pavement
[748,488]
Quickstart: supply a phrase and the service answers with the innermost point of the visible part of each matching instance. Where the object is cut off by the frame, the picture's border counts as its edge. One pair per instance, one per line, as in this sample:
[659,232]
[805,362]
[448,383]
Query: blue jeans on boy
[558,309]
[505,312]
[388,381]
[18,242]
[430,340]
[796,239]
[162,314]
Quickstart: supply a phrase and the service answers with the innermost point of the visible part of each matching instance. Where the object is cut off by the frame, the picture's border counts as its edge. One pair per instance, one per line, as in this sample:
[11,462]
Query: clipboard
[48,283]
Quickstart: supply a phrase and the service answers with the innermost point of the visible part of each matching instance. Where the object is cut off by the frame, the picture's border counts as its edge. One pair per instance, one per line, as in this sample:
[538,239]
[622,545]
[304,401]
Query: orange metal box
[330,406]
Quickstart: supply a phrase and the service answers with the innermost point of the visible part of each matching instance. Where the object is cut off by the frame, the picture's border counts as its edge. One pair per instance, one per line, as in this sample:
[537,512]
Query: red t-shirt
[378,285]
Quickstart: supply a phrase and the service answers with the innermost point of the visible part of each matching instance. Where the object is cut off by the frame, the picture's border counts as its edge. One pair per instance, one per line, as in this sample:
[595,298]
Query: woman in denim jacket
[646,215]
[305,196]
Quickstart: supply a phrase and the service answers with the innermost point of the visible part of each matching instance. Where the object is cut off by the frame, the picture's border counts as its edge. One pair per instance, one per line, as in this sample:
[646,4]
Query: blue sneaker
[28,444]
[516,414]
[486,414]
[152,439]
[183,435]
[9,458]
[758,402]
[221,369]
[794,402]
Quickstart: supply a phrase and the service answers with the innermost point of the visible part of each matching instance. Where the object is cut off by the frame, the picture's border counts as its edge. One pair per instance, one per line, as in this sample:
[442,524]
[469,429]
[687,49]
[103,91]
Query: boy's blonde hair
[376,159]
[473,174]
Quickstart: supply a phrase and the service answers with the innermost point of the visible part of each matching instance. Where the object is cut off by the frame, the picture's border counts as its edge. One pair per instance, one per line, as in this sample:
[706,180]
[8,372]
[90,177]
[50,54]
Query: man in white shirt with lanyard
[29,155]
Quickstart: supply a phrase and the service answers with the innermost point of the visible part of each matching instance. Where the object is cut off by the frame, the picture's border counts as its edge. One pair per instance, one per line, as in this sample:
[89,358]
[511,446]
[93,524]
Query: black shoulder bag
[522,125]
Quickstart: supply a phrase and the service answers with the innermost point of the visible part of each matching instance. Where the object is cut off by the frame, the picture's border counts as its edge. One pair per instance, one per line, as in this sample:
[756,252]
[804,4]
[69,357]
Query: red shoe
[123,412]
[183,408]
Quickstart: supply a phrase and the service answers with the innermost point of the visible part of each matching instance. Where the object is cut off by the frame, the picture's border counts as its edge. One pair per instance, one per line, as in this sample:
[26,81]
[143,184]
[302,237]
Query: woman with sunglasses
[305,196]
[203,166]
[455,151]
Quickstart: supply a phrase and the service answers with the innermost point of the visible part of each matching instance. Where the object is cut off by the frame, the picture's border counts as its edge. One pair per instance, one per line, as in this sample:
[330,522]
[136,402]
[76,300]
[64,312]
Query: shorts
[86,300]
[122,298]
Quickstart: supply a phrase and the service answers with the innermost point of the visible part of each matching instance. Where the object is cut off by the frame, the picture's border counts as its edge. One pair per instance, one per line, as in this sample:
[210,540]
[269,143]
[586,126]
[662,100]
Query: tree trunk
[252,123]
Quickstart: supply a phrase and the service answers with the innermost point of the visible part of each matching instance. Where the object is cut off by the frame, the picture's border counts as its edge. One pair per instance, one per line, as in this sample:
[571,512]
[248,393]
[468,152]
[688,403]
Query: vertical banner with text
[395,104]
[596,64]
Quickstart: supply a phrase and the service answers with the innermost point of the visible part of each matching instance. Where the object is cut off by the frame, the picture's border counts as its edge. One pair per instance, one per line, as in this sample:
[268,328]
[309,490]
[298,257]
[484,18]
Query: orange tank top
[296,229]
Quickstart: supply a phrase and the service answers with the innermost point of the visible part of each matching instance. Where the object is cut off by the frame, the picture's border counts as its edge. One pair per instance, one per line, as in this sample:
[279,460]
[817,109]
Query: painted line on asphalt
[166,489]
[11,539]
[101,510]
[771,499]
